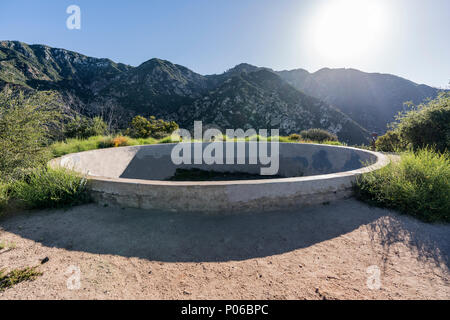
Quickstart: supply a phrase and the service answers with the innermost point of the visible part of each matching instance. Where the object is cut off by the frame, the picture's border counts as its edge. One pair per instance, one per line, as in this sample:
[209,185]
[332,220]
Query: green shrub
[51,188]
[4,195]
[27,125]
[318,135]
[418,185]
[83,128]
[141,127]
[390,142]
[427,125]
[295,137]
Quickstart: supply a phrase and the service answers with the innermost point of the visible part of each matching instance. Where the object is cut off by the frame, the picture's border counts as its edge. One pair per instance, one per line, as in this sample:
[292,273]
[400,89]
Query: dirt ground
[321,252]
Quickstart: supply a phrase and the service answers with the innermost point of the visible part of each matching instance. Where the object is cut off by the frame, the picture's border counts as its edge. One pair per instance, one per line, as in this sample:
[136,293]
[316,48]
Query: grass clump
[169,139]
[7,280]
[51,188]
[418,184]
[74,145]
[6,244]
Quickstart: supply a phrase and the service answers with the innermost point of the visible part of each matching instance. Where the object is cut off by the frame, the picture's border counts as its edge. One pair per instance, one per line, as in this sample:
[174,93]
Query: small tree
[99,127]
[26,125]
[160,128]
[139,128]
[83,128]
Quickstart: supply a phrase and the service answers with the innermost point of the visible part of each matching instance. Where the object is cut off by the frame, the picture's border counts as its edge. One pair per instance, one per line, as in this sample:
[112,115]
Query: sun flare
[345,29]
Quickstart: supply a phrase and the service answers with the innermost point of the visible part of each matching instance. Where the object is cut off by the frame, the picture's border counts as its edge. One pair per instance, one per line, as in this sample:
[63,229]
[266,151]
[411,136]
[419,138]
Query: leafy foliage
[141,127]
[4,195]
[418,185]
[83,127]
[390,142]
[426,125]
[26,127]
[318,135]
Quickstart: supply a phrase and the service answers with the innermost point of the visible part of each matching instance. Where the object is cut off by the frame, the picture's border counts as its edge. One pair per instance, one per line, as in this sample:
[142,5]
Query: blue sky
[211,36]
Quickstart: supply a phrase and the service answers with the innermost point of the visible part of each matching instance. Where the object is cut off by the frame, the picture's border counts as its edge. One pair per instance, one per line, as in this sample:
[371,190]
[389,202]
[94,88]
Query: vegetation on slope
[418,184]
[27,127]
[425,125]
[45,187]
[74,145]
[243,97]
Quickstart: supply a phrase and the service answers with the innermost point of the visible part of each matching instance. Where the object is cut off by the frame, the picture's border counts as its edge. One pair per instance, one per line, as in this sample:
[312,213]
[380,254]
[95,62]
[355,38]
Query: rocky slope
[260,99]
[371,99]
[243,97]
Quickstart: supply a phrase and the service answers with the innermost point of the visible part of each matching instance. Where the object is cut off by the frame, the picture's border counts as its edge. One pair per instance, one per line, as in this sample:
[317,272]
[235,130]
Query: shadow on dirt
[192,237]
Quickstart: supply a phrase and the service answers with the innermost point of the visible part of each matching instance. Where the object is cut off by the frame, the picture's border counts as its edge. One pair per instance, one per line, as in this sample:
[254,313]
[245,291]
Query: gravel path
[318,252]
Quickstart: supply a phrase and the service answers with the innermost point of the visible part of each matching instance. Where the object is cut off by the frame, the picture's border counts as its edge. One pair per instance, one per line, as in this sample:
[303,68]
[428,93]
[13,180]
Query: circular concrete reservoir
[143,176]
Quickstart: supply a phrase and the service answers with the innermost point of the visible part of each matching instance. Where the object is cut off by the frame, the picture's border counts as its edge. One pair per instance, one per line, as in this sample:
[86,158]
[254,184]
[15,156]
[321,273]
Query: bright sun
[346,29]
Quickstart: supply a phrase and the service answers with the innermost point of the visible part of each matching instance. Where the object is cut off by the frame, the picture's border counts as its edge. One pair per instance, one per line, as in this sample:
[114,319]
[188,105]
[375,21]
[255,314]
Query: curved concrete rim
[239,194]
[382,161]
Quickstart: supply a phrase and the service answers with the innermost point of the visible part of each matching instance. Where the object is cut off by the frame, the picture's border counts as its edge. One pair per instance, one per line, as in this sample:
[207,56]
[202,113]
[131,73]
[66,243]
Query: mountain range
[347,102]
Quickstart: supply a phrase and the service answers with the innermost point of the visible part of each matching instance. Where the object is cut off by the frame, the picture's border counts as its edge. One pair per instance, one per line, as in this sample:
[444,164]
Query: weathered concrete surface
[131,177]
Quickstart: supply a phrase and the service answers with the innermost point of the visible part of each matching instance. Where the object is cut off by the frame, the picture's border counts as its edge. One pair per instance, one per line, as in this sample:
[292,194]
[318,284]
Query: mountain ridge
[243,96]
[371,99]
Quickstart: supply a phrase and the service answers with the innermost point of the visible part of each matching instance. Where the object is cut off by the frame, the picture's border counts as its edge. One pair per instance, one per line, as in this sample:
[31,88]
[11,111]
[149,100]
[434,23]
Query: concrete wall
[129,176]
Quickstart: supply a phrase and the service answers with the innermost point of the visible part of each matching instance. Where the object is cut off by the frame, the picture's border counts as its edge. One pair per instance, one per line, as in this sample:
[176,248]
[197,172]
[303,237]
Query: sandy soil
[319,252]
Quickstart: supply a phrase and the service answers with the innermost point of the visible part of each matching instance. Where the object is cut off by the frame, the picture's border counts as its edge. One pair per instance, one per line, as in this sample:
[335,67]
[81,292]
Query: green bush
[83,128]
[141,127]
[4,195]
[51,188]
[27,124]
[318,135]
[418,184]
[427,125]
[294,137]
[390,142]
